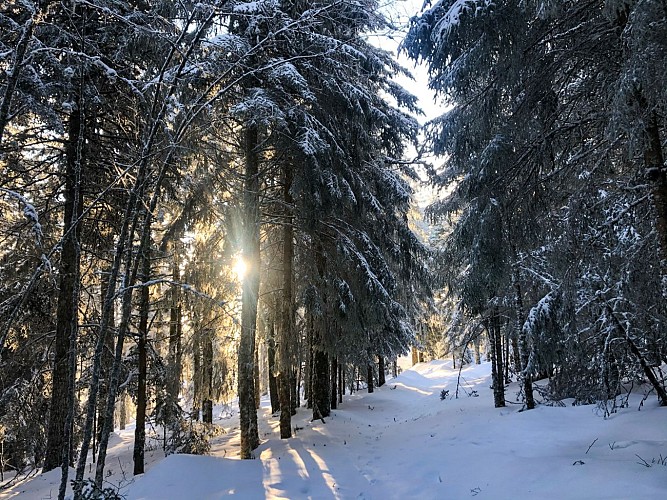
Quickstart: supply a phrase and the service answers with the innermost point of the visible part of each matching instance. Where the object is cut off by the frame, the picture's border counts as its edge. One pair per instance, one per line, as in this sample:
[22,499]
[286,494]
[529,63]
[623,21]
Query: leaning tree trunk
[246,359]
[140,428]
[131,268]
[59,432]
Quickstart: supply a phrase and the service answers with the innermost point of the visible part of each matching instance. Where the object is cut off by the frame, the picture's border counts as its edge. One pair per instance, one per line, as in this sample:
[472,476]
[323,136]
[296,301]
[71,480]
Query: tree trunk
[381,378]
[334,382]
[175,340]
[656,171]
[140,428]
[251,256]
[497,360]
[648,371]
[59,433]
[341,382]
[273,385]
[207,377]
[122,412]
[196,376]
[286,332]
[524,351]
[105,369]
[321,385]
[258,388]
[308,377]
[478,357]
[294,388]
[369,378]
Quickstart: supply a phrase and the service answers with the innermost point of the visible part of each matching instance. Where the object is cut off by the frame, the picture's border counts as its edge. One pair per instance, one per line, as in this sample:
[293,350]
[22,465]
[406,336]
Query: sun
[240,268]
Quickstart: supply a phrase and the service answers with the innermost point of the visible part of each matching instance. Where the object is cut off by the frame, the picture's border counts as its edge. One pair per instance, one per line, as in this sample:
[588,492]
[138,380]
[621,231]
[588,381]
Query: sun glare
[240,268]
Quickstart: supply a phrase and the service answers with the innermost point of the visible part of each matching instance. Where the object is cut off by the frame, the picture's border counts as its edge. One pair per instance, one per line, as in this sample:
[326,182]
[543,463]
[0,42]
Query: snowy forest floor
[403,441]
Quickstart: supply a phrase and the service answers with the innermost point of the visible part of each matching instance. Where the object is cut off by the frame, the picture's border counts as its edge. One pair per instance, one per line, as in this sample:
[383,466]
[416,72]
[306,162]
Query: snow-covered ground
[404,442]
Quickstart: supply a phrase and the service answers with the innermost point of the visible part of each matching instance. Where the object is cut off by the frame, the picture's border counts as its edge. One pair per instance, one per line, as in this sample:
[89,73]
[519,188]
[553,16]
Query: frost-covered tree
[534,135]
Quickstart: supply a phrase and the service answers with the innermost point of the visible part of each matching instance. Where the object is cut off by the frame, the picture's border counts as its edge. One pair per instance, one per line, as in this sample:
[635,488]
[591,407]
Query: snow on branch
[30,214]
[460,7]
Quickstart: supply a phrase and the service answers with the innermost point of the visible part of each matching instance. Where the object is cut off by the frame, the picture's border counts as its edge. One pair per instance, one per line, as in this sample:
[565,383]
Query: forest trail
[404,441]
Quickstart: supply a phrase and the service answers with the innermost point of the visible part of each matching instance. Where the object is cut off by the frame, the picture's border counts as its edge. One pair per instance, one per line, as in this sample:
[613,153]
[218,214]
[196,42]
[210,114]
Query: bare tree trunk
[251,255]
[273,385]
[258,389]
[381,378]
[294,391]
[369,378]
[478,357]
[197,376]
[286,332]
[334,382]
[493,328]
[122,410]
[524,352]
[308,382]
[140,429]
[321,385]
[341,382]
[207,379]
[59,434]
[656,171]
[175,339]
[105,370]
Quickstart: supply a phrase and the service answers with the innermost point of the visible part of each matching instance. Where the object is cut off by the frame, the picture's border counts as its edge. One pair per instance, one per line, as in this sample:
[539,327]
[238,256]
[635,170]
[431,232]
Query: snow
[403,441]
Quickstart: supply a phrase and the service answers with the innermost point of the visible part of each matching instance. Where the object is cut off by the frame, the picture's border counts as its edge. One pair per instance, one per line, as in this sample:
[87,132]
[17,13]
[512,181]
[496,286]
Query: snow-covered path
[403,441]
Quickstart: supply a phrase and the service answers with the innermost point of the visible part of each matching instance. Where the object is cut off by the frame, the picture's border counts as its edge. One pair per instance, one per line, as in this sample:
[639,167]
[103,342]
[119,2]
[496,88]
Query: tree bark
[140,428]
[273,385]
[59,431]
[341,382]
[196,376]
[286,332]
[334,382]
[207,377]
[321,384]
[497,360]
[369,378]
[251,255]
[381,378]
[656,171]
[524,351]
[258,388]
[175,340]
